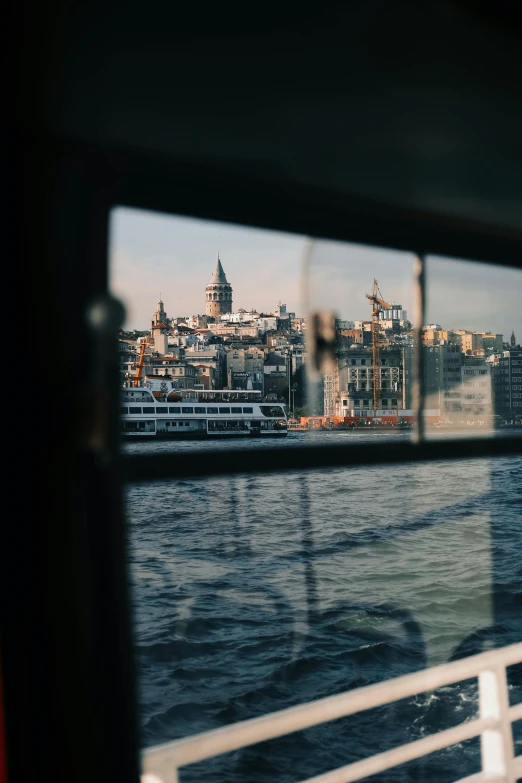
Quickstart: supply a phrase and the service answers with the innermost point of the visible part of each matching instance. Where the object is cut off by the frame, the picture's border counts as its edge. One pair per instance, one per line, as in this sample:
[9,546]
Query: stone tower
[159,317]
[218,293]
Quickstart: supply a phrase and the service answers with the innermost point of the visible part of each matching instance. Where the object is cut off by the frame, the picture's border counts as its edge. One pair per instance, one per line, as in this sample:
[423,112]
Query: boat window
[187,410]
[272,410]
[199,410]
[362,571]
[149,409]
[235,410]
[227,426]
[133,409]
[124,410]
[174,409]
[162,409]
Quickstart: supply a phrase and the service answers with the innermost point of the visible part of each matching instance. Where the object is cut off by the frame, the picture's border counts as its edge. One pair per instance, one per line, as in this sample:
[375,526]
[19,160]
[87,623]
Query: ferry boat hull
[199,436]
[197,415]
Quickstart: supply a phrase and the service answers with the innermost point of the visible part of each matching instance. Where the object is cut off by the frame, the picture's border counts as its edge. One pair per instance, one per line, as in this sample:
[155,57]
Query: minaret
[513,338]
[218,293]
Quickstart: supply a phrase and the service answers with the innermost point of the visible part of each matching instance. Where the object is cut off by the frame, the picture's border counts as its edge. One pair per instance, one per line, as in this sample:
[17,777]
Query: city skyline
[155,256]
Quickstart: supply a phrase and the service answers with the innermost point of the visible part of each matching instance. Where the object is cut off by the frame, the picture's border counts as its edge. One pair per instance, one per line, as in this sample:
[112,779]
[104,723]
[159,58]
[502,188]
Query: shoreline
[400,428]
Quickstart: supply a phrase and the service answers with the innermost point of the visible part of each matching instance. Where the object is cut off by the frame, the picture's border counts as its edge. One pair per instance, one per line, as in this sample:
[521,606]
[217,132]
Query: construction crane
[378,304]
[139,369]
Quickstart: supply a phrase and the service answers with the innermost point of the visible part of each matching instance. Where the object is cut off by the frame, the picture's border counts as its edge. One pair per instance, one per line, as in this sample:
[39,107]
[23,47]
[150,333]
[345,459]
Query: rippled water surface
[254,593]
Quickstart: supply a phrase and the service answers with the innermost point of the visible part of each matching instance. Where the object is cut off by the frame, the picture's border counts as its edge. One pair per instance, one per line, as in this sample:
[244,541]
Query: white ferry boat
[182,414]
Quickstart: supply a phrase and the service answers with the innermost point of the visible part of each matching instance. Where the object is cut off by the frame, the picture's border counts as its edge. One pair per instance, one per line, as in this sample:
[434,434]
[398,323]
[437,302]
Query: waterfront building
[181,374]
[218,293]
[244,365]
[211,356]
[297,357]
[276,374]
[507,383]
[127,358]
[442,376]
[205,377]
[408,374]
[476,393]
[348,390]
[330,394]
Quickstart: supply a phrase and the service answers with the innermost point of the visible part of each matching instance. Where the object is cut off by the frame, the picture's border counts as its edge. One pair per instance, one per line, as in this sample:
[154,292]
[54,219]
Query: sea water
[254,593]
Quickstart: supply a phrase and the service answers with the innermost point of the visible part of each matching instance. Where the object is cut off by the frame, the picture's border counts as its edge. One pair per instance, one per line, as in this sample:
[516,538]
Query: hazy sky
[155,255]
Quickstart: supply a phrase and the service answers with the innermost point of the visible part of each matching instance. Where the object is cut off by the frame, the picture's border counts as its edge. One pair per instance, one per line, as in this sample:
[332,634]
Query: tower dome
[218,293]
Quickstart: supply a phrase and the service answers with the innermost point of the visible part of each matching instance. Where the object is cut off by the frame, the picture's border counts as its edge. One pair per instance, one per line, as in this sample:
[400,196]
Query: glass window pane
[284,589]
[253,593]
[471,348]
[364,298]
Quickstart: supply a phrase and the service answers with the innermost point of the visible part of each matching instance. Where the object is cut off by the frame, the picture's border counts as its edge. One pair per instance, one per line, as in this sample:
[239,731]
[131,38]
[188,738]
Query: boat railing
[160,764]
[231,396]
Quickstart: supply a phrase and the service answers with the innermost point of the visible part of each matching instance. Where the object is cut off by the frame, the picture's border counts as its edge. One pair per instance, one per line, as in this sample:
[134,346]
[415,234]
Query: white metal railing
[161,763]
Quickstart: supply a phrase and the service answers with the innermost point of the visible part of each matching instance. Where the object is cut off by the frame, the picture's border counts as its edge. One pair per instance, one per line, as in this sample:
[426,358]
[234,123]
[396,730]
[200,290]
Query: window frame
[75,185]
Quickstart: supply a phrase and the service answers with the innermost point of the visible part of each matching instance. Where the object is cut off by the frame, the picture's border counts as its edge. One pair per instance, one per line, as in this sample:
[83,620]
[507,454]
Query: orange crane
[378,304]
[139,368]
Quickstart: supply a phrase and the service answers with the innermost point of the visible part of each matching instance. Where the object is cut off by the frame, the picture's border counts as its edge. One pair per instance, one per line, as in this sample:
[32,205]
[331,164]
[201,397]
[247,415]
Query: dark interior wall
[410,103]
